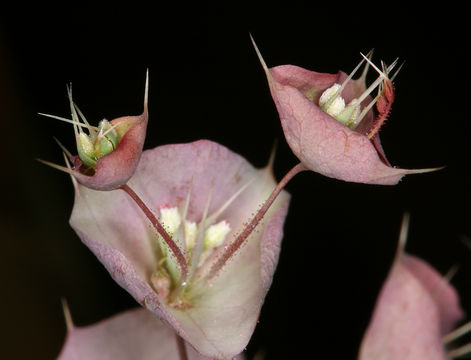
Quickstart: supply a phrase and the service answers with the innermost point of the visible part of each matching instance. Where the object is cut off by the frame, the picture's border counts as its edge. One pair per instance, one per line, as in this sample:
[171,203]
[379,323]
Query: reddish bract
[116,168]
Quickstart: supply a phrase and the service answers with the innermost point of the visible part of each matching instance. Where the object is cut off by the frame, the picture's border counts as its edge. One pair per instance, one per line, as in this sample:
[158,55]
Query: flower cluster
[193,231]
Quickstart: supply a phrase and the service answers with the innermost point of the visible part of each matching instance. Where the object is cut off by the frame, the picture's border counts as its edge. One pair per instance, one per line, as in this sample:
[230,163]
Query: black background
[206,82]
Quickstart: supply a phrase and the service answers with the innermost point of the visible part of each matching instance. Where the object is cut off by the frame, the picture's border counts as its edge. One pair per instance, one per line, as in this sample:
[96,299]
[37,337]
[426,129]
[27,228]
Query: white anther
[331,101]
[216,234]
[170,218]
[191,230]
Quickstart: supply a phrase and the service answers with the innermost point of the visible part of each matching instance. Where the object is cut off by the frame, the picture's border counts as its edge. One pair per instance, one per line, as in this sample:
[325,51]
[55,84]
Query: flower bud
[108,155]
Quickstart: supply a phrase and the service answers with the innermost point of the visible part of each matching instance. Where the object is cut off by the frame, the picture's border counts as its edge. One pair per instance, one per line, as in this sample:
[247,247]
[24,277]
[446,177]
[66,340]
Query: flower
[108,155]
[204,196]
[415,309]
[134,334]
[328,122]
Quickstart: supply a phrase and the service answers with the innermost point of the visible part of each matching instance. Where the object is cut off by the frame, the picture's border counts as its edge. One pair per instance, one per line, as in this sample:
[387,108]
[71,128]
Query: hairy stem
[160,229]
[234,246]
[384,105]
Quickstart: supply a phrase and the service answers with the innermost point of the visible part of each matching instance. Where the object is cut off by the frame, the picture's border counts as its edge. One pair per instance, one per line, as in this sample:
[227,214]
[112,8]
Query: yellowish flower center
[188,235]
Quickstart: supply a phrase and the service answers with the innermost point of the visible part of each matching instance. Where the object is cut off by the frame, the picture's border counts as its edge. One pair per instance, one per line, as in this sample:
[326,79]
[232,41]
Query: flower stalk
[233,247]
[160,229]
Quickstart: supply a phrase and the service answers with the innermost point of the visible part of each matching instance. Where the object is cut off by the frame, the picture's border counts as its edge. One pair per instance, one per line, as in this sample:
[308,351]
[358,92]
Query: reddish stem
[384,105]
[234,246]
[160,229]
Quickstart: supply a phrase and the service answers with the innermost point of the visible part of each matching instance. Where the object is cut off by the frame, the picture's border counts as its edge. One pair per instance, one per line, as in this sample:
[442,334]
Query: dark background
[206,82]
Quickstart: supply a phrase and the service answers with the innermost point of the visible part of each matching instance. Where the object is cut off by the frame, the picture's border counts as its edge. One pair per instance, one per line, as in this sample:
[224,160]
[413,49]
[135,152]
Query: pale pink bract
[415,309]
[134,334]
[318,140]
[223,310]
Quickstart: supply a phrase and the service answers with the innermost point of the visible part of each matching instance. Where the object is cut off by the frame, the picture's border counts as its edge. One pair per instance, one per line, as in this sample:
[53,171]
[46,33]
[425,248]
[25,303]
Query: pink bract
[224,309]
[320,142]
[135,334]
[415,309]
[116,168]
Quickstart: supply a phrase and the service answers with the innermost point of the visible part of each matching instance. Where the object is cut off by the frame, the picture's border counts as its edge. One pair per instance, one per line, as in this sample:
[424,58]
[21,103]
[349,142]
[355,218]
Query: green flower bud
[106,141]
[86,150]
[104,161]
